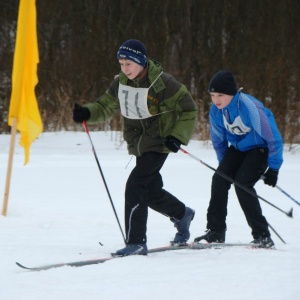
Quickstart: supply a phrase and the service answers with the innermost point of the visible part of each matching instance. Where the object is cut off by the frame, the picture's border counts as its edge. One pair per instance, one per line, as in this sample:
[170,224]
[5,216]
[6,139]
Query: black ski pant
[246,168]
[144,188]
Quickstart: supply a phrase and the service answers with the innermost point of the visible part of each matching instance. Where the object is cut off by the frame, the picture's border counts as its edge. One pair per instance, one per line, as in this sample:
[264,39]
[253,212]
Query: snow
[59,211]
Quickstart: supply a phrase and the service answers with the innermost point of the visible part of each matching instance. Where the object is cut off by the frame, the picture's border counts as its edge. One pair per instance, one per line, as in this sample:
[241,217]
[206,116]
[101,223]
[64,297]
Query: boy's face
[220,100]
[130,68]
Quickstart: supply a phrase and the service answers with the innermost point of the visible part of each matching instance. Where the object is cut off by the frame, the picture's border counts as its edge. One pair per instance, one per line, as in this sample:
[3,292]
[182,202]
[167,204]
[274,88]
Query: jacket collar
[154,69]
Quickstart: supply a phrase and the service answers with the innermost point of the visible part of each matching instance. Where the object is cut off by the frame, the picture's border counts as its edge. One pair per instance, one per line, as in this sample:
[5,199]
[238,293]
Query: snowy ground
[59,211]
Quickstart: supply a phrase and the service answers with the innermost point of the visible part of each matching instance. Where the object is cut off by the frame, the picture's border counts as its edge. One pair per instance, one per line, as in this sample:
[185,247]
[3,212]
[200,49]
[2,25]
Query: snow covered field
[59,211]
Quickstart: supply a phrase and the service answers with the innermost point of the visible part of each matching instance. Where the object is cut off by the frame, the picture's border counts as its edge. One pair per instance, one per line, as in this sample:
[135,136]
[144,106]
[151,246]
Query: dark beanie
[133,50]
[223,82]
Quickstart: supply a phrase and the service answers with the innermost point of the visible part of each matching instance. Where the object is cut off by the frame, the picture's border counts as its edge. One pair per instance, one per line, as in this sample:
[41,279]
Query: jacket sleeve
[105,106]
[270,133]
[263,122]
[218,135]
[186,111]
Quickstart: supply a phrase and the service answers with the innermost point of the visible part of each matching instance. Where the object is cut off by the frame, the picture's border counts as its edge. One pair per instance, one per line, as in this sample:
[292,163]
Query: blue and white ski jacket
[246,124]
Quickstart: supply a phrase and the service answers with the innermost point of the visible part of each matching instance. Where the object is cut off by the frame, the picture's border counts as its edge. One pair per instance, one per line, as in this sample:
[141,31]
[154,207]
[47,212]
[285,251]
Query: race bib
[133,102]
[237,127]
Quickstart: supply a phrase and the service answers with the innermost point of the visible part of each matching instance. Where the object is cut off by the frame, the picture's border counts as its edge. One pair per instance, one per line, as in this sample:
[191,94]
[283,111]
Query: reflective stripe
[129,225]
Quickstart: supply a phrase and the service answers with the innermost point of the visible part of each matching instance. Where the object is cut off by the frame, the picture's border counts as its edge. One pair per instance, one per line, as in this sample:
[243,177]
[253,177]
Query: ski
[79,263]
[162,249]
[193,246]
[220,245]
[95,261]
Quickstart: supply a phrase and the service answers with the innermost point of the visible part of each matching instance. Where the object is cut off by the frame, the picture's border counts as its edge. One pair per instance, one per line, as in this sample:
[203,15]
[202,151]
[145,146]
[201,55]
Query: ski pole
[289,214]
[281,190]
[284,192]
[276,233]
[102,175]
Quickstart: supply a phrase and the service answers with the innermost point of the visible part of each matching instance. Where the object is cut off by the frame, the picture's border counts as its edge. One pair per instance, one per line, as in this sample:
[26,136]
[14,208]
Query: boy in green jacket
[159,115]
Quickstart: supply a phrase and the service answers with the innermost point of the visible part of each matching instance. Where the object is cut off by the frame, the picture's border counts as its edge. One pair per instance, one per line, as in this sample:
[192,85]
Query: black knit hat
[223,82]
[133,50]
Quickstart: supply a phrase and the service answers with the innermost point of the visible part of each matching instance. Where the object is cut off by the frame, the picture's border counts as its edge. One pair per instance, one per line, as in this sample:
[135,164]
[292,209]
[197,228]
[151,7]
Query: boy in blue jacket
[248,145]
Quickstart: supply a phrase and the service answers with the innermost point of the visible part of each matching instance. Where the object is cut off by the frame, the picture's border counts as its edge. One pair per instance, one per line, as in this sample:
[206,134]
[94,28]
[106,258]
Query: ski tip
[21,266]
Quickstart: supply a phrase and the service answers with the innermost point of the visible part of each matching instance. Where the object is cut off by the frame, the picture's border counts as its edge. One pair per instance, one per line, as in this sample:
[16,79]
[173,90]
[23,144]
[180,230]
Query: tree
[78,40]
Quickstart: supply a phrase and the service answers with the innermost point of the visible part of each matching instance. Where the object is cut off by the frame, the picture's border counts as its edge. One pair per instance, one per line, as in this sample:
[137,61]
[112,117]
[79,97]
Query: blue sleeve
[218,134]
[274,141]
[264,124]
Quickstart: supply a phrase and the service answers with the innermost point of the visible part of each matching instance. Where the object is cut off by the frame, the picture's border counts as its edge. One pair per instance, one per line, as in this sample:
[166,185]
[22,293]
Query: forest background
[258,40]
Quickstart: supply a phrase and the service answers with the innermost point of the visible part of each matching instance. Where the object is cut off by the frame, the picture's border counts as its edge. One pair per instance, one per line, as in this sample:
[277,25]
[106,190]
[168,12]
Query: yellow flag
[23,103]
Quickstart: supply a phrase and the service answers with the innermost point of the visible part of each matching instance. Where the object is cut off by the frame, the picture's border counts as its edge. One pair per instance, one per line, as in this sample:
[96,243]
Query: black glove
[270,177]
[80,113]
[172,143]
